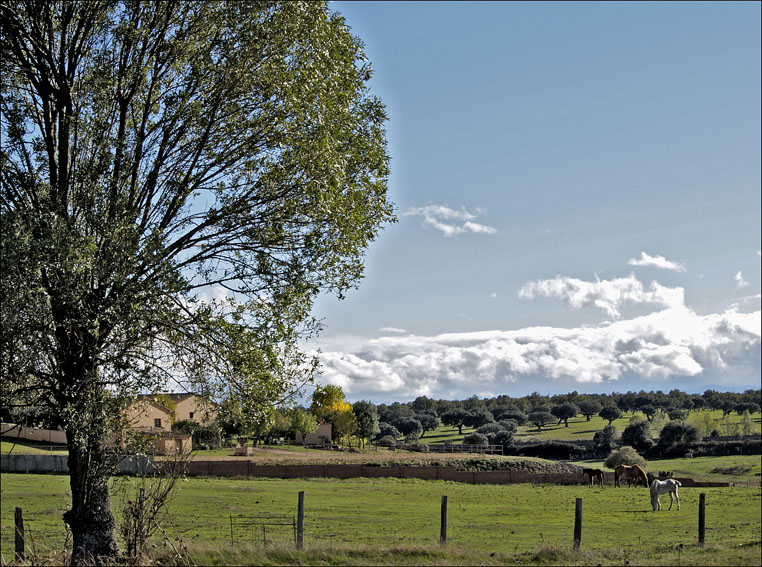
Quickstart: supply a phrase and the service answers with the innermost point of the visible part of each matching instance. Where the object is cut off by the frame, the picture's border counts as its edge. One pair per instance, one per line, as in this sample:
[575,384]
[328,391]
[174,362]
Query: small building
[147,417]
[321,436]
[194,408]
[186,406]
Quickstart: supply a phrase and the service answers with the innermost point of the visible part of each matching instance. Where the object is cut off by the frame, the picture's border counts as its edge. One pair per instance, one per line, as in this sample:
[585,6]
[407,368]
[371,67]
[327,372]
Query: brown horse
[634,474]
[594,474]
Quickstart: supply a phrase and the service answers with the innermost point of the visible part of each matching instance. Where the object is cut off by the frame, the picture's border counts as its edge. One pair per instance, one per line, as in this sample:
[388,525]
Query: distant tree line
[495,420]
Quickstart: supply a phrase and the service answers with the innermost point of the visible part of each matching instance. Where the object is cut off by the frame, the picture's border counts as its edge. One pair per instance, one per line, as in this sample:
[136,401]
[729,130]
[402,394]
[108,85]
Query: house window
[190,415]
[157,422]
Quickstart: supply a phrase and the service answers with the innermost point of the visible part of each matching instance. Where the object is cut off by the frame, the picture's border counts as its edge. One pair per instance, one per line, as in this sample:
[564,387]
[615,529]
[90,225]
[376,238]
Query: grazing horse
[594,473]
[634,473]
[663,487]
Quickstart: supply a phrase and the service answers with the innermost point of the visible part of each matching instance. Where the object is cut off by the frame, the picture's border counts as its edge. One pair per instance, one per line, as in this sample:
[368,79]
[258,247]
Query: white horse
[659,487]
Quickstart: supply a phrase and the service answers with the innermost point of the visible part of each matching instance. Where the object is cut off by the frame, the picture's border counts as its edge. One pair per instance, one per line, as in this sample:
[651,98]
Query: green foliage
[387,441]
[624,456]
[747,424]
[540,418]
[564,412]
[677,433]
[302,421]
[152,153]
[367,419]
[589,408]
[638,435]
[457,418]
[605,440]
[610,413]
[475,439]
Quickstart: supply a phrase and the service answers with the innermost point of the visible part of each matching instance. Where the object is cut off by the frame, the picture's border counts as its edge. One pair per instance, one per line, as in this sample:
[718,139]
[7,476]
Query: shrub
[475,439]
[411,437]
[387,430]
[624,456]
[605,440]
[387,441]
[638,435]
[676,414]
[509,412]
[678,433]
[508,424]
[489,428]
[504,438]
[408,425]
[208,437]
[517,415]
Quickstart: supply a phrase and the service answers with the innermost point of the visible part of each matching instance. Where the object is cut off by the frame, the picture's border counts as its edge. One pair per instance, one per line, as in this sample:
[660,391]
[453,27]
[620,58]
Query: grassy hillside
[580,428]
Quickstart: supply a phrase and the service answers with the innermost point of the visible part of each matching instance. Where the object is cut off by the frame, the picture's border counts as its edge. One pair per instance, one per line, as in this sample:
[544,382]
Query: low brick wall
[249,469]
[57,464]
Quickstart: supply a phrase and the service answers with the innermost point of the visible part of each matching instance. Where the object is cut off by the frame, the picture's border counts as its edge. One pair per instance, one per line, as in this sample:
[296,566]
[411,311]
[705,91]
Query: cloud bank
[608,295]
[656,262]
[671,343]
[449,221]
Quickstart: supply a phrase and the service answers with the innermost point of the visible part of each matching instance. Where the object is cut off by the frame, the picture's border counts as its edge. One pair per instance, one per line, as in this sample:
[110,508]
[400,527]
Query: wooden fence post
[577,523]
[300,522]
[443,522]
[19,520]
[702,519]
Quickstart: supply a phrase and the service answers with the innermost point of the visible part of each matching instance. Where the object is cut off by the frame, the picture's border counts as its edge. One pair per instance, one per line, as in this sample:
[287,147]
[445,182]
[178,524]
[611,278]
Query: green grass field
[26,447]
[734,469]
[581,429]
[380,514]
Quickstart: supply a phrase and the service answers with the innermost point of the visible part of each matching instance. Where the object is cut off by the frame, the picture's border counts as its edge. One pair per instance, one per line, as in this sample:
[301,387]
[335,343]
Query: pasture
[581,429]
[361,519]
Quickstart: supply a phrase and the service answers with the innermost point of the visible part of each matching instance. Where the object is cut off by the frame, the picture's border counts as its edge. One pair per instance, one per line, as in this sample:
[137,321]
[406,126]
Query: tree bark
[90,518]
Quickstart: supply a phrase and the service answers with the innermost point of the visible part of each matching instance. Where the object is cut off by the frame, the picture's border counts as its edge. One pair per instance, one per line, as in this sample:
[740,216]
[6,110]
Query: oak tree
[179,181]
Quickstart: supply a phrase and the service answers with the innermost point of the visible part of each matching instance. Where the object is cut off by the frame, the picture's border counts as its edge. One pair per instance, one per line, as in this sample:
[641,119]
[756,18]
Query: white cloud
[668,344]
[392,330]
[740,282]
[609,295]
[656,262]
[671,343]
[449,221]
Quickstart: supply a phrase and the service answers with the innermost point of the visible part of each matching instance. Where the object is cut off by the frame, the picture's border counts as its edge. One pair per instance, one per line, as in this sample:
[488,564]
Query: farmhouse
[148,417]
[186,406]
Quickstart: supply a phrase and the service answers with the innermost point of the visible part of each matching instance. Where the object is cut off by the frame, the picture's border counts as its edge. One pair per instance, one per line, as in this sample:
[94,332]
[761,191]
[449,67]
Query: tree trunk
[90,518]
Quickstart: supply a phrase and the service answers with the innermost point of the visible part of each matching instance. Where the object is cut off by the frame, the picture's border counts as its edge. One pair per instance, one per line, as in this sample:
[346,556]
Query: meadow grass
[376,515]
[735,469]
[27,447]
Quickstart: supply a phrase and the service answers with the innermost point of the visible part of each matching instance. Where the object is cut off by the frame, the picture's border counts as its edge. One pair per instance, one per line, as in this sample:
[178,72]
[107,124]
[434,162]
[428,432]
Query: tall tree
[367,420]
[156,155]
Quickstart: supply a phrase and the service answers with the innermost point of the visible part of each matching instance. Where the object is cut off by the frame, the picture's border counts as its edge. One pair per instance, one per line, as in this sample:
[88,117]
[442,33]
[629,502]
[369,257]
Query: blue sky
[578,193]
